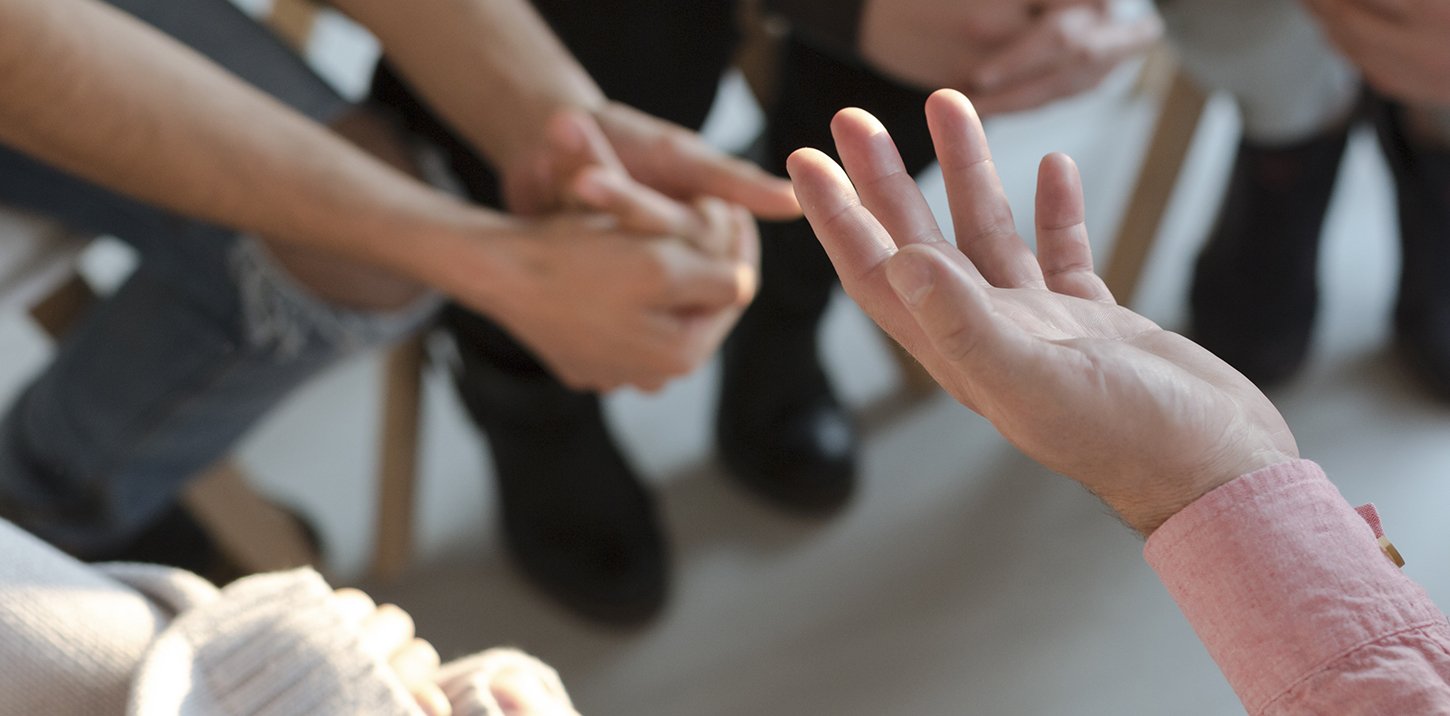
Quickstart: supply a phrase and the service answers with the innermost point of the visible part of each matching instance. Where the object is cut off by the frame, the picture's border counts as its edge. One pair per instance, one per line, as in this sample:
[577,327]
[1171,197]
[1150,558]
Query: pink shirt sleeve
[1288,588]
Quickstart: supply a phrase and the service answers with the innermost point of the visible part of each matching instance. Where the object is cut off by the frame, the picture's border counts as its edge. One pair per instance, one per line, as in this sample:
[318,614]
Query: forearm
[491,68]
[107,98]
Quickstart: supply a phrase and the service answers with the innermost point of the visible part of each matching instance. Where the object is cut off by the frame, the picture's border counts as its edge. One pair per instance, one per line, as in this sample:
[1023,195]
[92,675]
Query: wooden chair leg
[1182,107]
[758,54]
[258,535]
[398,458]
[60,310]
[293,21]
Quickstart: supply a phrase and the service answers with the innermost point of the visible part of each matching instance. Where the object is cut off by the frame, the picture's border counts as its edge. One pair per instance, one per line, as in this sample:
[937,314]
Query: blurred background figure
[1304,74]
[576,517]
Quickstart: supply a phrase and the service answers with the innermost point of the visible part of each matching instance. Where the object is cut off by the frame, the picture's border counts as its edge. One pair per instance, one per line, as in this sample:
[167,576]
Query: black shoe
[1422,188]
[576,519]
[780,430]
[1255,284]
[178,539]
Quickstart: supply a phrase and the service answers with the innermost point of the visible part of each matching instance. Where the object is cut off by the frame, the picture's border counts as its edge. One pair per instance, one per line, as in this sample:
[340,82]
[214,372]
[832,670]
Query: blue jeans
[164,376]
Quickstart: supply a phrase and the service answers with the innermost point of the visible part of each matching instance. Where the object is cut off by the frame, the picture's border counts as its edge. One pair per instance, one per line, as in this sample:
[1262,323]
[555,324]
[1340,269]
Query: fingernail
[911,275]
[746,284]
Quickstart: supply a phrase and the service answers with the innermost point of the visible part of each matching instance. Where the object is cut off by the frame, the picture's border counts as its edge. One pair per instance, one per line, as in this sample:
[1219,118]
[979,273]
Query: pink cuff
[1279,576]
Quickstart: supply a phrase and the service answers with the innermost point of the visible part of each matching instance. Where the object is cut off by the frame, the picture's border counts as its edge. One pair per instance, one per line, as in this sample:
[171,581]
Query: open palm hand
[1143,417]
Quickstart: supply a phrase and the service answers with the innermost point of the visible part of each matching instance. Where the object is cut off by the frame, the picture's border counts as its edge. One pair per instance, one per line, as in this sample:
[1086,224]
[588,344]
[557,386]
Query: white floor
[965,579]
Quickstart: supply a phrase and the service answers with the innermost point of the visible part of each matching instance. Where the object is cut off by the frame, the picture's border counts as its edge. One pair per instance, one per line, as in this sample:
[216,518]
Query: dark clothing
[665,58]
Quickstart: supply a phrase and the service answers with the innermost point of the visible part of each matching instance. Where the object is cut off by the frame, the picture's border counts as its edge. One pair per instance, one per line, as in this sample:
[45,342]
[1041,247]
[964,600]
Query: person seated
[271,248]
[147,640]
[1290,588]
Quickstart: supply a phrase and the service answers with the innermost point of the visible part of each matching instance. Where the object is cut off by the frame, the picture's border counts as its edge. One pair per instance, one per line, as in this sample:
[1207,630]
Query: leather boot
[780,430]
[1422,188]
[576,519]
[1255,284]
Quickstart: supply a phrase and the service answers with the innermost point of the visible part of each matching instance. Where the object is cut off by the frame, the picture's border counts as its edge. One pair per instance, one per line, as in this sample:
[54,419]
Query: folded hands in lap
[1010,55]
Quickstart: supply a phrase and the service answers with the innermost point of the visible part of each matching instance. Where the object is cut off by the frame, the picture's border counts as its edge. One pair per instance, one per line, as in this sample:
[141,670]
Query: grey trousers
[203,339]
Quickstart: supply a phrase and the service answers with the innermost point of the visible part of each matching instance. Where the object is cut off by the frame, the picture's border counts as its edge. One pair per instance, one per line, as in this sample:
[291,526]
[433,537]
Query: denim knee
[280,314]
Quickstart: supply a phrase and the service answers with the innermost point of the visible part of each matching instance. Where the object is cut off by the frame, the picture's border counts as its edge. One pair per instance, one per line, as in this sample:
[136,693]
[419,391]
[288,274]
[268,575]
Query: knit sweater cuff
[273,645]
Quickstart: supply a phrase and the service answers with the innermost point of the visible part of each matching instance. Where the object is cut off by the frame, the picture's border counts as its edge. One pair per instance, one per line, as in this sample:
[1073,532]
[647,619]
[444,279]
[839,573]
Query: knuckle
[956,343]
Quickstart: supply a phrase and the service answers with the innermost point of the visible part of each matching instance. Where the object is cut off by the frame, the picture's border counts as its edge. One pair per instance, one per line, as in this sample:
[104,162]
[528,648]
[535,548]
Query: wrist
[465,255]
[1146,509]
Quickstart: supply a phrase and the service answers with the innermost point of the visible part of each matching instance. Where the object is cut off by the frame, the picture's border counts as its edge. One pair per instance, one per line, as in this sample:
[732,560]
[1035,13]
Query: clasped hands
[641,251]
[1009,55]
[1402,47]
[1144,418]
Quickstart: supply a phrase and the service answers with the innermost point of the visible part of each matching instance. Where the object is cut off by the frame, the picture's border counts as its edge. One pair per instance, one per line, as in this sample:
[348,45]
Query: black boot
[1422,188]
[780,430]
[576,519]
[1255,285]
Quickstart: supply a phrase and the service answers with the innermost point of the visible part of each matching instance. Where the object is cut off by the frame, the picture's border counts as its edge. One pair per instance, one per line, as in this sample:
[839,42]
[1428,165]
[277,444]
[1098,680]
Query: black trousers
[665,57]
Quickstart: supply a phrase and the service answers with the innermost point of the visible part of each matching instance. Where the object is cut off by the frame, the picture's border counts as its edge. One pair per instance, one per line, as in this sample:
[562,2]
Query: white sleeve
[70,637]
[269,645]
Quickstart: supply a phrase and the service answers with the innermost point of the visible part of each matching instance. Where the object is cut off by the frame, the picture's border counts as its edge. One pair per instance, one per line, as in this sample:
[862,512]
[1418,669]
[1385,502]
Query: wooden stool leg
[59,311]
[293,21]
[398,458]
[258,535]
[1183,105]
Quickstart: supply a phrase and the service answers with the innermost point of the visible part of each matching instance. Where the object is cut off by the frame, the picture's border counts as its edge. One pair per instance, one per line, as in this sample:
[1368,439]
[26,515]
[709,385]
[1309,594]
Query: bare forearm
[492,68]
[105,97]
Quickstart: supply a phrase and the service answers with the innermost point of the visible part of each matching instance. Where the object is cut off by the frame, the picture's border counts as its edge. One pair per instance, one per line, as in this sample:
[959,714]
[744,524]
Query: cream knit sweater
[146,640]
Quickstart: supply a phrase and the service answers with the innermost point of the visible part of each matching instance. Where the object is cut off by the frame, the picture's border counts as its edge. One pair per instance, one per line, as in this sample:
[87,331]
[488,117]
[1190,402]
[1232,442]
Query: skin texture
[1400,46]
[1009,55]
[1142,417]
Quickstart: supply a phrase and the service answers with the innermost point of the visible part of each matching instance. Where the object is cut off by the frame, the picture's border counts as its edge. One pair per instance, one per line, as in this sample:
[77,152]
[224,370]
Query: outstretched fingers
[981,215]
[1063,250]
[857,244]
[850,233]
[886,189]
[717,174]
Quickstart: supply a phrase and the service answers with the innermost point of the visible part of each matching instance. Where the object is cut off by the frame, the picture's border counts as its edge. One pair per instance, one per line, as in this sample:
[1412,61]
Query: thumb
[954,312]
[575,142]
